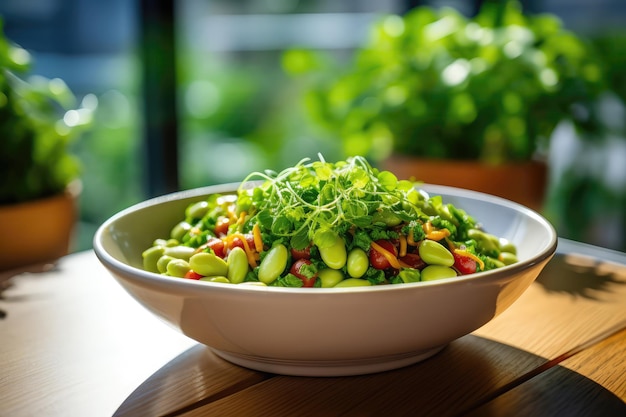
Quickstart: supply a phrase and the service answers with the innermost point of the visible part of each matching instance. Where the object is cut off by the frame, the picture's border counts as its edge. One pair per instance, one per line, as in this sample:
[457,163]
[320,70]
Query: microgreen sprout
[313,201]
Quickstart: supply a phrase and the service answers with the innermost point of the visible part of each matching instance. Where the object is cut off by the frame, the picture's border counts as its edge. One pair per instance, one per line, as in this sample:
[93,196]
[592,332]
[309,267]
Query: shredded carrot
[410,240]
[393,261]
[249,254]
[479,261]
[258,240]
[402,245]
[427,227]
[437,234]
[231,213]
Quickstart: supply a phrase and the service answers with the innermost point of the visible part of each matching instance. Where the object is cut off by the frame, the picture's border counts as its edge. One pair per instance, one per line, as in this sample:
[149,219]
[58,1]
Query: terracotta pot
[38,231]
[524,182]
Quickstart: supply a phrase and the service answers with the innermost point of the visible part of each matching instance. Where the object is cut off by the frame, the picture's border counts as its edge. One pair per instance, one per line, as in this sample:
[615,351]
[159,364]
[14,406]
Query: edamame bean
[170,242]
[208,264]
[484,241]
[357,263]
[237,265]
[221,279]
[273,264]
[330,277]
[335,255]
[434,253]
[180,230]
[197,210]
[410,275]
[151,257]
[162,263]
[254,283]
[353,282]
[506,246]
[434,272]
[160,242]
[177,268]
[507,258]
[180,252]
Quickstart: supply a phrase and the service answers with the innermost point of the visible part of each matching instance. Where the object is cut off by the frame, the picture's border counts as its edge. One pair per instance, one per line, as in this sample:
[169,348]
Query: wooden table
[73,343]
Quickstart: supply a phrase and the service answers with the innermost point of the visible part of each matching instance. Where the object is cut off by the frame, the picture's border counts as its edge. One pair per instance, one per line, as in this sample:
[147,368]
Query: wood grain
[556,392]
[464,373]
[73,343]
[575,300]
[604,363]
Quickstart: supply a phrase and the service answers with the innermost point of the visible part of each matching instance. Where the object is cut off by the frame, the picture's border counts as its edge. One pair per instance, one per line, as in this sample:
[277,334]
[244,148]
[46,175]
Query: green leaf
[325,238]
[388,180]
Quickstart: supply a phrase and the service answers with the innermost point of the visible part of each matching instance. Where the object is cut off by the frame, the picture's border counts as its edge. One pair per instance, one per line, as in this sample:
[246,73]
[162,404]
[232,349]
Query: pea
[177,268]
[180,252]
[508,258]
[434,253]
[180,230]
[434,272]
[273,264]
[237,265]
[151,257]
[410,275]
[330,277]
[162,263]
[353,282]
[197,210]
[220,278]
[335,255]
[208,264]
[358,262]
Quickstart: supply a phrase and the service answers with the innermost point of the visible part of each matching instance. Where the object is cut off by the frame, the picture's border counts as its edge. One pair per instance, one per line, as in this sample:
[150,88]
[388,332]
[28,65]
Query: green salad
[323,224]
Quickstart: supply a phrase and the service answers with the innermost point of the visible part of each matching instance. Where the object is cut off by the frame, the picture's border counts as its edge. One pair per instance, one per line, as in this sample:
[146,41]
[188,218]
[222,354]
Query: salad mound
[323,224]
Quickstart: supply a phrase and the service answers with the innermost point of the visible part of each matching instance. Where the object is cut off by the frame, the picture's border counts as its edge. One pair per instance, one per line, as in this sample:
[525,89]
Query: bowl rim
[138,274]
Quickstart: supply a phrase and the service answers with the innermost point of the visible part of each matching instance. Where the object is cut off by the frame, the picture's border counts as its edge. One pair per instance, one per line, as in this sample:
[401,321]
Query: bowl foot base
[327,368]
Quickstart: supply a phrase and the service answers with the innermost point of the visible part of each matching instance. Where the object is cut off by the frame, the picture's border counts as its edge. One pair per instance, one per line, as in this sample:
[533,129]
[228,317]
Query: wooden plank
[464,373]
[556,392]
[575,300]
[604,363]
[73,343]
[195,377]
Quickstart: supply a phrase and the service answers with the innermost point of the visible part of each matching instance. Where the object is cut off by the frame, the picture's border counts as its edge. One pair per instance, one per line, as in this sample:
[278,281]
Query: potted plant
[433,89]
[39,176]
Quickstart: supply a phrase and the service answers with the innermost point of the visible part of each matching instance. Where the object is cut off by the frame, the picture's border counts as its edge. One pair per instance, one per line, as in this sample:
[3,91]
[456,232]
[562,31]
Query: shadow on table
[473,375]
[7,275]
[580,275]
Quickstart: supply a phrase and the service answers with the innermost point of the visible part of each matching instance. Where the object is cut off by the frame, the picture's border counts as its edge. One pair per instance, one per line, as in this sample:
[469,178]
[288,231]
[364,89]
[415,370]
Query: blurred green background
[237,109]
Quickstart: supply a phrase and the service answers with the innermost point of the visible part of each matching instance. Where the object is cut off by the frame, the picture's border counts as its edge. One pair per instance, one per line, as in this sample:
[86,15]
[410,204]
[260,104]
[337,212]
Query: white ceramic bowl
[325,331]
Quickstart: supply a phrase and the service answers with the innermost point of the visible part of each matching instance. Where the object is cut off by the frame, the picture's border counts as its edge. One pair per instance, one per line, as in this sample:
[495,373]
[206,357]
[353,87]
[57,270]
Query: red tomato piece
[193,275]
[301,253]
[301,268]
[413,260]
[377,259]
[464,264]
[237,242]
[217,246]
[221,227]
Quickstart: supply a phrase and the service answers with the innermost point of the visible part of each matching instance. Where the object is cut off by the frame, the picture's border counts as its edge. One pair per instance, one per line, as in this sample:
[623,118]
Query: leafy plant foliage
[37,125]
[434,83]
